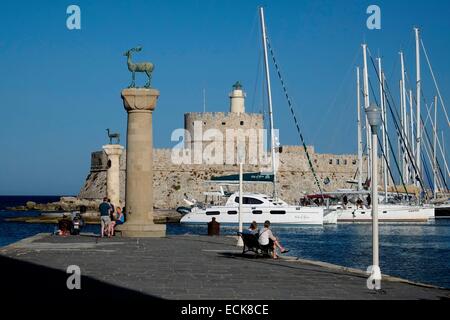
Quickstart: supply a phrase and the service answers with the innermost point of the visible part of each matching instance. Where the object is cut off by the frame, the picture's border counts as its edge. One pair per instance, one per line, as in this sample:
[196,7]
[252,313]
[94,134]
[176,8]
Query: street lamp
[241,157]
[373,113]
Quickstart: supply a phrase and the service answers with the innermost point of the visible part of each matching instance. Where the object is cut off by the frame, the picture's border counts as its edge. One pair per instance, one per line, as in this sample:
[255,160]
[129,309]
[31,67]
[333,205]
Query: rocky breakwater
[51,212]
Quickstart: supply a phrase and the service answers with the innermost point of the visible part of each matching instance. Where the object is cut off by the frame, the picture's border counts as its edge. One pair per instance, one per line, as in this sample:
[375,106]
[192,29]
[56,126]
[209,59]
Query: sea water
[414,251]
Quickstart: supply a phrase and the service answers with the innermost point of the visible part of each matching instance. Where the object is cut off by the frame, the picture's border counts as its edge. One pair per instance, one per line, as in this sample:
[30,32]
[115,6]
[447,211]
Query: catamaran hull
[294,216]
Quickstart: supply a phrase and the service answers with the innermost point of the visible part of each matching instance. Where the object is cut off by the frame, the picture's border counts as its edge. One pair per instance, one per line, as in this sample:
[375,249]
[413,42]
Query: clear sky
[60,88]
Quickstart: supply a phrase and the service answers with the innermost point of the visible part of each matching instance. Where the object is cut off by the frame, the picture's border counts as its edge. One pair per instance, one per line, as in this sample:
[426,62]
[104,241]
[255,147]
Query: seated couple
[266,237]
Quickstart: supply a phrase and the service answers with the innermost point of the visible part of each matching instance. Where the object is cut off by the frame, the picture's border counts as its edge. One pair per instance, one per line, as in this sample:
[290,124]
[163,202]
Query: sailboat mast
[404,120]
[434,149]
[418,89]
[366,105]
[269,98]
[383,130]
[358,108]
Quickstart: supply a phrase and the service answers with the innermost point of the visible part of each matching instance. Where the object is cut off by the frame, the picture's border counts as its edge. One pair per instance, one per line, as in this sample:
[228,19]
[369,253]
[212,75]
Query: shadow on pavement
[25,281]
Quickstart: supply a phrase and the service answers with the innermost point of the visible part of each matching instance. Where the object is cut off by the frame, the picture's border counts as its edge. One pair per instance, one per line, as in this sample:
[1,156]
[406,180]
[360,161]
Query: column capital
[113,149]
[139,100]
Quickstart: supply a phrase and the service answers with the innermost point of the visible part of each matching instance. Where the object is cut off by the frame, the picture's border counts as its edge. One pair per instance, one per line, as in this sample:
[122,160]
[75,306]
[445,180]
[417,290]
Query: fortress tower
[227,125]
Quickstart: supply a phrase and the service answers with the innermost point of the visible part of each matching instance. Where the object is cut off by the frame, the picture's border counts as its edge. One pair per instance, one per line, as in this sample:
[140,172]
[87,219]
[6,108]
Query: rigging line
[294,117]
[428,139]
[258,72]
[386,87]
[427,174]
[390,145]
[398,131]
[438,141]
[435,82]
[387,165]
[333,102]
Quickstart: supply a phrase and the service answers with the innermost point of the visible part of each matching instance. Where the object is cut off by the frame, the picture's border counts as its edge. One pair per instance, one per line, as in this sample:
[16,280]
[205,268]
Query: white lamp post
[241,152]
[374,118]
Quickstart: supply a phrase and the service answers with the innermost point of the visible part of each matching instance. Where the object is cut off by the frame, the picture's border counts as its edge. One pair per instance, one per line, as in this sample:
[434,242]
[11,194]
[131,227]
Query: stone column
[140,103]
[113,151]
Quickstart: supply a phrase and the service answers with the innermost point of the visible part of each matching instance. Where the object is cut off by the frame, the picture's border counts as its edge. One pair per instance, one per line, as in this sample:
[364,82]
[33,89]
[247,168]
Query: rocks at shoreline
[69,204]
[65,204]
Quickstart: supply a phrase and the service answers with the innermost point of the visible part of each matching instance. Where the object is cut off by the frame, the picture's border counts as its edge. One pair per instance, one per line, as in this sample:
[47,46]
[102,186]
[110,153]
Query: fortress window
[338,162]
[354,162]
[204,123]
[242,123]
[345,162]
[331,161]
[224,123]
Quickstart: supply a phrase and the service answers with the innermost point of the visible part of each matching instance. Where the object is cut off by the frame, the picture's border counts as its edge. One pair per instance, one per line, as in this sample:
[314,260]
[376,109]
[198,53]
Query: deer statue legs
[149,75]
[133,80]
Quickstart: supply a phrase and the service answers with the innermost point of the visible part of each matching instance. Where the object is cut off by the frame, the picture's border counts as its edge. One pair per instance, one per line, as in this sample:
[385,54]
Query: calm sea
[414,251]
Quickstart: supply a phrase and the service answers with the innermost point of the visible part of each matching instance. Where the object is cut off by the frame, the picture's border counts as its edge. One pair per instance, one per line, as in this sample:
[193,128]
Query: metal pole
[418,127]
[434,149]
[411,120]
[400,134]
[404,122]
[388,152]
[383,130]
[269,97]
[366,105]
[375,243]
[358,108]
[241,174]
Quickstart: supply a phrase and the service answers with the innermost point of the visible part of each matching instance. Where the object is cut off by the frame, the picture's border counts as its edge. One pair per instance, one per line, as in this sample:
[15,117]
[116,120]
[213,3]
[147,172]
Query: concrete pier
[183,267]
[113,151]
[139,104]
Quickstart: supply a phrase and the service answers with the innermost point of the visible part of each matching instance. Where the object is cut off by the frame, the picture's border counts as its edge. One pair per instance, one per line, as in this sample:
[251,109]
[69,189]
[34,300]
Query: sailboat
[350,211]
[256,206]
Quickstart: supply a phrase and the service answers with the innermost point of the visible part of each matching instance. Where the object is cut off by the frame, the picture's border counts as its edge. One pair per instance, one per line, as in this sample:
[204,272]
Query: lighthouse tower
[237,99]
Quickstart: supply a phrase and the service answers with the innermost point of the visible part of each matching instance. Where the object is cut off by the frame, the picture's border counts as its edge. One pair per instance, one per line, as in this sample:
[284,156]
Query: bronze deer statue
[146,67]
[112,136]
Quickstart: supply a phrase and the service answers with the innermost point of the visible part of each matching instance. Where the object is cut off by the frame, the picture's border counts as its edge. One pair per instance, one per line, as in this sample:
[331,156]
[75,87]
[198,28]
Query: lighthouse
[237,99]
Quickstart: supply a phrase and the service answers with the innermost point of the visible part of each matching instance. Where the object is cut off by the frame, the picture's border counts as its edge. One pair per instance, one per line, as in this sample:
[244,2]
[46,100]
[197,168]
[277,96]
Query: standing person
[369,201]
[105,220]
[345,201]
[265,235]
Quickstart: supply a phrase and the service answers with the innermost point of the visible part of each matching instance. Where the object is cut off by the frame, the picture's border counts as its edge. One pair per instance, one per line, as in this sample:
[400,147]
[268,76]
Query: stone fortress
[172,181]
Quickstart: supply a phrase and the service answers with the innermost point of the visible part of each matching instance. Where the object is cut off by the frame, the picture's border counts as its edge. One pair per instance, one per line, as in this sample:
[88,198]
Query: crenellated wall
[172,181]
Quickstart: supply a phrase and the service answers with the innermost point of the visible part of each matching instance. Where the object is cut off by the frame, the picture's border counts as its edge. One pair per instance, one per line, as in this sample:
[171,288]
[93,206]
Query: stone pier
[113,151]
[139,104]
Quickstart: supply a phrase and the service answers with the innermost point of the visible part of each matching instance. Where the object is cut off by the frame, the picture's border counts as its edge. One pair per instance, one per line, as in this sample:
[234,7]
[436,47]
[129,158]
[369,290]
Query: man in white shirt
[265,234]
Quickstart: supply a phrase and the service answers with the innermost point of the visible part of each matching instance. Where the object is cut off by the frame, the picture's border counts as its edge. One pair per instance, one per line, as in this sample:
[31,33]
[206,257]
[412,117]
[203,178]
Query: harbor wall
[173,181]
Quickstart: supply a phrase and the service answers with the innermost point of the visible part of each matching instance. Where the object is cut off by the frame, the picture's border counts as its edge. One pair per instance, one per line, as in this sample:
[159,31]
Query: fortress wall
[172,181]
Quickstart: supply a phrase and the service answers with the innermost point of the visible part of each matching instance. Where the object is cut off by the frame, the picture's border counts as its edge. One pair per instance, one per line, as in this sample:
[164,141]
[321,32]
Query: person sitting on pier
[265,235]
[253,229]
[118,218]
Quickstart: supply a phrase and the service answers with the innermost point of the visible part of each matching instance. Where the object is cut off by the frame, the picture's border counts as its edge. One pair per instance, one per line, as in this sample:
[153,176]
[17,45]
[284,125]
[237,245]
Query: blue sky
[60,89]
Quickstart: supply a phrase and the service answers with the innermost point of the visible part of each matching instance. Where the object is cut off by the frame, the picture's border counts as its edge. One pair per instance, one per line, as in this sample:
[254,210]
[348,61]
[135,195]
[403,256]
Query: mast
[418,89]
[269,98]
[387,154]
[366,105]
[411,121]
[404,121]
[434,149]
[358,108]
[383,130]
[400,134]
